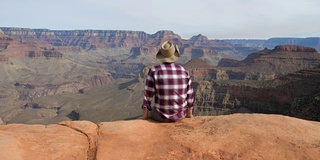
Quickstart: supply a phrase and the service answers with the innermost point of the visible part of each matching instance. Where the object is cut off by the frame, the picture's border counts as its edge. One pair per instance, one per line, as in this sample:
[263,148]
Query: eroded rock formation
[296,94]
[264,65]
[91,40]
[313,42]
[11,47]
[31,91]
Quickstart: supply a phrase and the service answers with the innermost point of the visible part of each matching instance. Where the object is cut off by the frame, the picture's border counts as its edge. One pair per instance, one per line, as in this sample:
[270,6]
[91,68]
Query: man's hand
[189,113]
[144,114]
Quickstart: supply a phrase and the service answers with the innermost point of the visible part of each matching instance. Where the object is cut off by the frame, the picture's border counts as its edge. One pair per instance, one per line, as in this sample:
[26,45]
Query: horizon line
[209,38]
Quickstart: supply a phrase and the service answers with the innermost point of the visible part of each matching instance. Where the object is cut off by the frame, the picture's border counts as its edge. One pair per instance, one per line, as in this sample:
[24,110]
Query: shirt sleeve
[190,94]
[149,90]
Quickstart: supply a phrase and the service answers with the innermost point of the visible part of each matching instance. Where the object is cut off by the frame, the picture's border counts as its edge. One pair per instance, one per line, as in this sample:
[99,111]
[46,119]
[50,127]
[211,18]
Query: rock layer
[95,40]
[270,64]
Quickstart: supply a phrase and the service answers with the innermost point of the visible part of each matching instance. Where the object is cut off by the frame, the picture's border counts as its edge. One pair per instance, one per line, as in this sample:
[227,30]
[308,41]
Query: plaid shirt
[170,83]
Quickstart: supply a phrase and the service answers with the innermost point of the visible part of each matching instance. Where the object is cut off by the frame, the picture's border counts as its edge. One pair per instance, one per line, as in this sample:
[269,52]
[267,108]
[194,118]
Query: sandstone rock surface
[238,136]
[39,142]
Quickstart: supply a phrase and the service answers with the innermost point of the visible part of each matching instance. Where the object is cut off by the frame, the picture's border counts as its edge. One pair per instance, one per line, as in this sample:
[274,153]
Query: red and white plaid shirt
[171,85]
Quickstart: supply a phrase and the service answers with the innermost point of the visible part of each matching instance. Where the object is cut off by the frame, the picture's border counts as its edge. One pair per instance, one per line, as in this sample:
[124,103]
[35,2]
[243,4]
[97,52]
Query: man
[170,84]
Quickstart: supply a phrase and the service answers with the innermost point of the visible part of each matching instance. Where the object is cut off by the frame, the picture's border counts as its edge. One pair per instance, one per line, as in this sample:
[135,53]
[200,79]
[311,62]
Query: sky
[215,19]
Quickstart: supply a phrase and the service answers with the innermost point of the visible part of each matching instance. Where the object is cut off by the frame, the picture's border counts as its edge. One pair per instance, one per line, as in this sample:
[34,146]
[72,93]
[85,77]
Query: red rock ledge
[238,136]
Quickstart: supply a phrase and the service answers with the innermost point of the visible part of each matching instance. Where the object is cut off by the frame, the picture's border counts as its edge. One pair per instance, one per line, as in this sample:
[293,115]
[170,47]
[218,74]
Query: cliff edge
[237,136]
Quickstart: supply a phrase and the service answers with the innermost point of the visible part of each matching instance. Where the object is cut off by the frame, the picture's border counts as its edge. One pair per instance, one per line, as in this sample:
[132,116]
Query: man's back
[170,83]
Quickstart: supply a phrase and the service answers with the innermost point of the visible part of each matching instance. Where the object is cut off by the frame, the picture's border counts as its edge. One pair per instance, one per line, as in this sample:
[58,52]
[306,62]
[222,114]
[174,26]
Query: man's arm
[189,113]
[148,94]
[144,114]
[190,99]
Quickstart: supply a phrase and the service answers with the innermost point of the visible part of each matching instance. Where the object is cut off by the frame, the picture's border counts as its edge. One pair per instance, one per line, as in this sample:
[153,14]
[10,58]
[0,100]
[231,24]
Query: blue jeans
[153,114]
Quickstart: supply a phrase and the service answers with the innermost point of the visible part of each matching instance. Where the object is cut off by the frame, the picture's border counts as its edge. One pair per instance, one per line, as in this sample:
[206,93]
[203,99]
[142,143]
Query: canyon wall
[270,64]
[313,42]
[295,94]
[195,47]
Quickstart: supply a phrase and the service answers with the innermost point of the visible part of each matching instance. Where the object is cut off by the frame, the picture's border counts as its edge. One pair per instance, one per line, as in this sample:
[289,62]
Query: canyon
[49,76]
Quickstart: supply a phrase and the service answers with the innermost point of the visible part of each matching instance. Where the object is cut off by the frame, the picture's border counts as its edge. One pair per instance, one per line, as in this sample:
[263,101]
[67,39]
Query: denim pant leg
[153,114]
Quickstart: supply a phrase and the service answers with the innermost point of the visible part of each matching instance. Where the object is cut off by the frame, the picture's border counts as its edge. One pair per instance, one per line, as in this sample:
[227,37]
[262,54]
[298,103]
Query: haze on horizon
[216,19]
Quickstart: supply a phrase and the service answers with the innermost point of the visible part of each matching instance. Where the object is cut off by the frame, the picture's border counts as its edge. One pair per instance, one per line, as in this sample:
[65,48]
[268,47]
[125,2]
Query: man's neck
[167,62]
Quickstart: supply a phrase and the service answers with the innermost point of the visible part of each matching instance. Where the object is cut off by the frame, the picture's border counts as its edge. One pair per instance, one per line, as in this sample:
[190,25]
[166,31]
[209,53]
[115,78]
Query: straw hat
[168,52]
